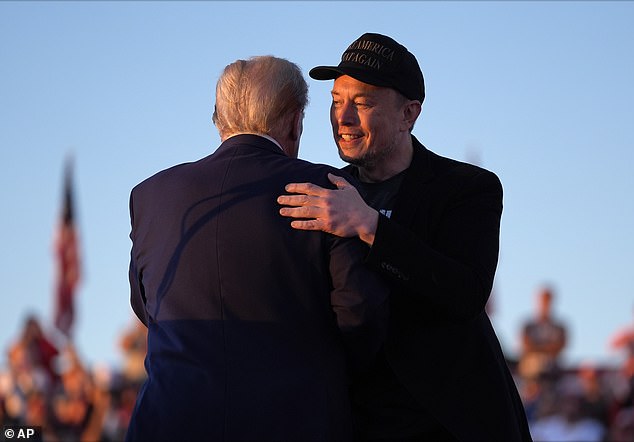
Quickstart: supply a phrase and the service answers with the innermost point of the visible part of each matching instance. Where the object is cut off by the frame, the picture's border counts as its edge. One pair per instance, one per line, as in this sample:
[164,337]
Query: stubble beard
[370,160]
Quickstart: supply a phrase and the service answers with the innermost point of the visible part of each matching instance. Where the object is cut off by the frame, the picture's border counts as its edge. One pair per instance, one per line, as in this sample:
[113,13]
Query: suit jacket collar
[420,168]
[410,194]
[254,140]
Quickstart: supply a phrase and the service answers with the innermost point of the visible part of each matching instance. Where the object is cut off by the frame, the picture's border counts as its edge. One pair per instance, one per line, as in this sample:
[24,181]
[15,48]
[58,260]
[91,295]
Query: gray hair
[258,95]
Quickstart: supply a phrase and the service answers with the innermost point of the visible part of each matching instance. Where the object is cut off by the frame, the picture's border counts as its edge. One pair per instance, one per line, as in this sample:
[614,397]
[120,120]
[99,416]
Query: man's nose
[347,115]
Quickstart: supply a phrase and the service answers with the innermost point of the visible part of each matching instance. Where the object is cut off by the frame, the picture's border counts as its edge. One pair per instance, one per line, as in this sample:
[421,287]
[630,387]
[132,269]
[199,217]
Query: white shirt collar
[268,137]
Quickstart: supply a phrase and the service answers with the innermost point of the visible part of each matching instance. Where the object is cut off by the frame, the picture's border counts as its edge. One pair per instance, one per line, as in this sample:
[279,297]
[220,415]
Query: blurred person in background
[622,429]
[122,398]
[569,422]
[3,412]
[596,400]
[33,356]
[72,400]
[543,339]
[254,327]
[133,344]
[31,377]
[532,397]
[8,415]
[623,341]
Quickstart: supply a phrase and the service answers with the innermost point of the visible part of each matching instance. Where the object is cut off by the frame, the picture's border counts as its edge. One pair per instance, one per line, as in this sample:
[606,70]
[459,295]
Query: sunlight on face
[365,121]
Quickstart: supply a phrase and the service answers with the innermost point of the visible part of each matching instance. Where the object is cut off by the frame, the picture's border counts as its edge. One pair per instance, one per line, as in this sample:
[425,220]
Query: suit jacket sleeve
[447,254]
[359,300]
[137,294]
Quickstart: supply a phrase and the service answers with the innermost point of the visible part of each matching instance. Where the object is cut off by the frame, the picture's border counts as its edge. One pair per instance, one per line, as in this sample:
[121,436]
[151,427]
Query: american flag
[67,257]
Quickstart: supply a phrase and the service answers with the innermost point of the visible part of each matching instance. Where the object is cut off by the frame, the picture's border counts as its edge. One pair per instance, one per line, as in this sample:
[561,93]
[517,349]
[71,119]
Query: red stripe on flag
[67,257]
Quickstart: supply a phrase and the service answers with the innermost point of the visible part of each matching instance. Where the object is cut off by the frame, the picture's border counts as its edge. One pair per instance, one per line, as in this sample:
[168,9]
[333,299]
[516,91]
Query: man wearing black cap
[432,226]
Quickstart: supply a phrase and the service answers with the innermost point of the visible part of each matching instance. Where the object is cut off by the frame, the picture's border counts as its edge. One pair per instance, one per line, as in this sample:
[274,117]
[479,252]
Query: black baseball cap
[380,61]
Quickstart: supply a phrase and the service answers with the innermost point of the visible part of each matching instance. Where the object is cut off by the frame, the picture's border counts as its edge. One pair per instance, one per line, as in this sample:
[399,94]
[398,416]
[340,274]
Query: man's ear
[297,127]
[411,111]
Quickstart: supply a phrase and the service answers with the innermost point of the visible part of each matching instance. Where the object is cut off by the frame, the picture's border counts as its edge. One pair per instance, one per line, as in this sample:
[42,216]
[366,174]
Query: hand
[341,212]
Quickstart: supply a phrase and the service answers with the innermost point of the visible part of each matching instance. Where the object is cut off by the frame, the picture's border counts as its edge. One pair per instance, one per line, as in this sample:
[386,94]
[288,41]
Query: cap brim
[325,72]
[333,72]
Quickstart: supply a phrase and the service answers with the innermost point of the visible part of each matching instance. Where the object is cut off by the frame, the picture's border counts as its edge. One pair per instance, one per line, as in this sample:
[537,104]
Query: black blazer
[248,318]
[439,250]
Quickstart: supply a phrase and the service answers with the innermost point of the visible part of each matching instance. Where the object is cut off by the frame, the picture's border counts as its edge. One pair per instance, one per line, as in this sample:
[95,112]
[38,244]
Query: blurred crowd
[588,402]
[46,384]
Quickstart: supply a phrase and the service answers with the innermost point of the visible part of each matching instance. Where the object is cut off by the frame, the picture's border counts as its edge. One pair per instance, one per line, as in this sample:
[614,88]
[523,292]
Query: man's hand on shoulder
[341,212]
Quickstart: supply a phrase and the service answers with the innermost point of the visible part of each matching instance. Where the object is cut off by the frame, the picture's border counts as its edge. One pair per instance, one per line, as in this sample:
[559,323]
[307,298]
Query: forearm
[359,299]
[446,284]
[449,263]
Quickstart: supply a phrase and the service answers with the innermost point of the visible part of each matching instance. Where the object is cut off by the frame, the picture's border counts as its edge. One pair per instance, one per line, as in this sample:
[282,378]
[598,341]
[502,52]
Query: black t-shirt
[381,196]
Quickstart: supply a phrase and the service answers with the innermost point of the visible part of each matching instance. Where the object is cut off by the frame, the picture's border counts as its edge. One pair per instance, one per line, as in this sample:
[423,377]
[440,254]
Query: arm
[450,261]
[137,293]
[359,300]
[448,255]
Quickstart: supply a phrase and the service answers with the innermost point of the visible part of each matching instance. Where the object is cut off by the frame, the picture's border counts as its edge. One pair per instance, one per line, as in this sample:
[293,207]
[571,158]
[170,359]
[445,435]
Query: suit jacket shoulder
[447,176]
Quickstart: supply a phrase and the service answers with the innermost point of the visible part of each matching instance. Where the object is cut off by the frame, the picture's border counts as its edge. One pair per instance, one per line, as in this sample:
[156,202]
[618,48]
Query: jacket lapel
[412,195]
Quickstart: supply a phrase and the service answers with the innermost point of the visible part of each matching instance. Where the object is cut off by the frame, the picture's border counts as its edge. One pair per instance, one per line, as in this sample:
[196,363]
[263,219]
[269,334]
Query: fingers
[306,188]
[304,212]
[315,190]
[294,200]
[312,204]
[338,181]
[298,212]
[301,212]
[310,224]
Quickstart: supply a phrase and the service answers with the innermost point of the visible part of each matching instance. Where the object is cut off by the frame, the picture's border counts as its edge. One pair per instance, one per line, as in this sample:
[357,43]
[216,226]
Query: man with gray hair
[253,327]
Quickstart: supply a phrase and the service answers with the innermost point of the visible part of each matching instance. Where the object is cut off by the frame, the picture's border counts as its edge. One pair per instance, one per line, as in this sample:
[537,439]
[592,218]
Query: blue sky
[539,92]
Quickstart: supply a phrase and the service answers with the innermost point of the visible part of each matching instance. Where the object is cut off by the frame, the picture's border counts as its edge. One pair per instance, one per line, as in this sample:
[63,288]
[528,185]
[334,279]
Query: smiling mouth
[349,137]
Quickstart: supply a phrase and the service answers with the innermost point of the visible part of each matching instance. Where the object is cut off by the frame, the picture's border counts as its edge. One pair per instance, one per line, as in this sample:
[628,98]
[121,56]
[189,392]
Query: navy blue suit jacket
[250,321]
